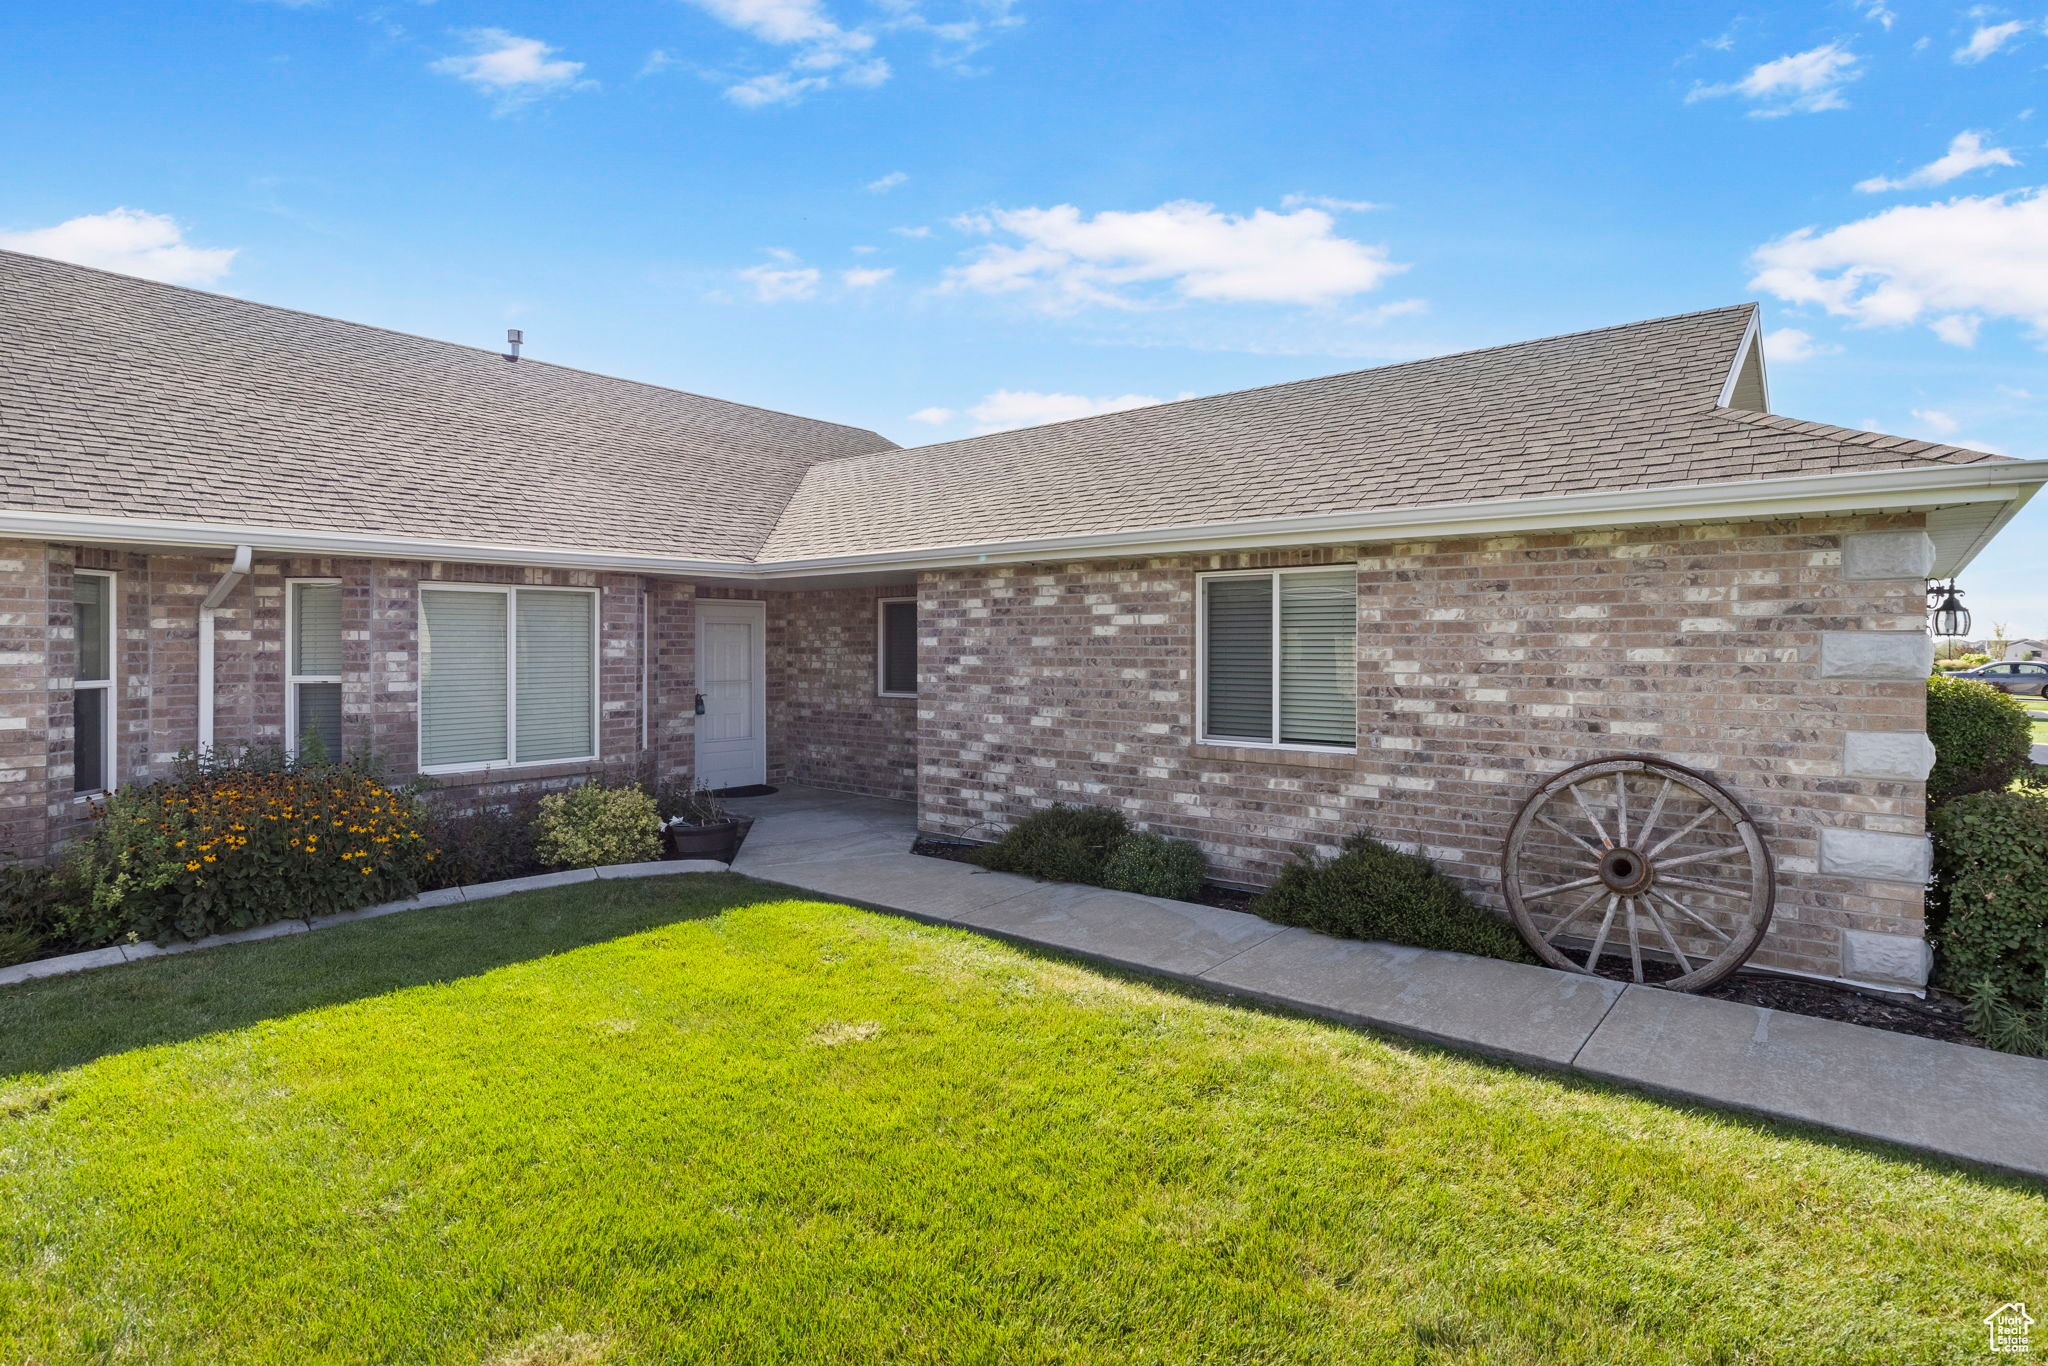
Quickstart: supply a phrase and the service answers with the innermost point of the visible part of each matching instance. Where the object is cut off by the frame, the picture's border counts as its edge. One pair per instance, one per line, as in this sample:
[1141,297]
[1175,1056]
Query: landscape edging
[115,954]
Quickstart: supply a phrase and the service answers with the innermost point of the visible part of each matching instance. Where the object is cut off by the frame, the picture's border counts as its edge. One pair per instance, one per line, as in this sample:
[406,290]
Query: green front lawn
[684,1120]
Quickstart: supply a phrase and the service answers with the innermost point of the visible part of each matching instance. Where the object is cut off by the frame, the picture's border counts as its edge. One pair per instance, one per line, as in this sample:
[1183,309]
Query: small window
[1279,658]
[896,649]
[92,695]
[313,667]
[507,675]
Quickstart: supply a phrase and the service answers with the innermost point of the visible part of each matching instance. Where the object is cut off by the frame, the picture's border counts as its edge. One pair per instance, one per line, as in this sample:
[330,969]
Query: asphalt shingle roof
[129,398]
[1619,408]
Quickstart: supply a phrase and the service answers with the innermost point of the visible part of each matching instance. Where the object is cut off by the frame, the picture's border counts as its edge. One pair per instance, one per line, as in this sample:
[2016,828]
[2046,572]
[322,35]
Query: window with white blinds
[1279,661]
[92,697]
[313,667]
[507,675]
[896,647]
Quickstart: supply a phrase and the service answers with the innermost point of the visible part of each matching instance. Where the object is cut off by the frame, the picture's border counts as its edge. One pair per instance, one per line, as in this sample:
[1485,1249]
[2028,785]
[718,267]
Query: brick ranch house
[231,523]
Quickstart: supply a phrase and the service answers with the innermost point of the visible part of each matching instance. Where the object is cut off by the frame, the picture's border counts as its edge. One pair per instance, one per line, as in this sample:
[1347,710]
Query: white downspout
[236,570]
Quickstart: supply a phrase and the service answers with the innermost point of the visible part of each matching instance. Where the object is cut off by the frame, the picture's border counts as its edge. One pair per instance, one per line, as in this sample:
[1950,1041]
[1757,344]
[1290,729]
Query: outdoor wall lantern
[1951,618]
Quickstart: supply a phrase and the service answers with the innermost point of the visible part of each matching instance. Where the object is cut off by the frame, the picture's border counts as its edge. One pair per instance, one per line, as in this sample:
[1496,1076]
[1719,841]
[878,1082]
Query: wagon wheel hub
[1637,858]
[1627,872]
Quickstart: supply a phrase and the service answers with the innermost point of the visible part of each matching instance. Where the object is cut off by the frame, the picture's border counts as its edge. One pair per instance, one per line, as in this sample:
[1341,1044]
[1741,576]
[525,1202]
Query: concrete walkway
[1940,1098]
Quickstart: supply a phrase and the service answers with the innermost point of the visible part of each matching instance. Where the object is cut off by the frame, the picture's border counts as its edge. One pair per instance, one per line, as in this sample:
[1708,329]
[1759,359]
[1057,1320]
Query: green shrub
[1982,738]
[1154,865]
[230,843]
[1372,891]
[1991,872]
[1059,844]
[31,912]
[593,825]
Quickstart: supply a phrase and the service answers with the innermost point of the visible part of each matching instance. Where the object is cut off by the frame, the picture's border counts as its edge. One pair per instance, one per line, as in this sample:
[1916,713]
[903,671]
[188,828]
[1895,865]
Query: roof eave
[2009,482]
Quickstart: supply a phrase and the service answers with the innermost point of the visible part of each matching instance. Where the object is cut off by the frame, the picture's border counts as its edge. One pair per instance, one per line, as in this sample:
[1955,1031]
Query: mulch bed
[1938,1017]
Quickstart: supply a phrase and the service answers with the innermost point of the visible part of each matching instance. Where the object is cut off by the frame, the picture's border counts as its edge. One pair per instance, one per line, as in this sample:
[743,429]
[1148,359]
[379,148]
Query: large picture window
[1279,658]
[507,676]
[896,647]
[313,666]
[92,696]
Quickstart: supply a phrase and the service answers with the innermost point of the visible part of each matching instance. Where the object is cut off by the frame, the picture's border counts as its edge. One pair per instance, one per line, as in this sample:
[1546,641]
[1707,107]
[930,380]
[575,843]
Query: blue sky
[932,217]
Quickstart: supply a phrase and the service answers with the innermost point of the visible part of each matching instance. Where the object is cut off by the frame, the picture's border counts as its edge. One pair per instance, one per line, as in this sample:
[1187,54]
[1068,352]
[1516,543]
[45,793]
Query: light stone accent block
[1886,959]
[1900,755]
[1887,555]
[1872,854]
[1876,655]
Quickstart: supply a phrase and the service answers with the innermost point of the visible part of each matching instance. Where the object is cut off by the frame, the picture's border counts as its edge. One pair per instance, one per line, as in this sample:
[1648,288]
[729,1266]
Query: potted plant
[697,825]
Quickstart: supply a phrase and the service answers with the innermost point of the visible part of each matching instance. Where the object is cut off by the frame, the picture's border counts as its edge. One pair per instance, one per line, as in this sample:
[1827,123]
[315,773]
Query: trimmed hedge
[1153,865]
[1373,891]
[1982,738]
[1991,863]
[1059,844]
[594,825]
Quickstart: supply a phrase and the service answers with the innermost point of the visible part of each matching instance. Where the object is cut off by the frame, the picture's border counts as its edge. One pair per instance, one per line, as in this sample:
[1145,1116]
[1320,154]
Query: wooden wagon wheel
[1644,852]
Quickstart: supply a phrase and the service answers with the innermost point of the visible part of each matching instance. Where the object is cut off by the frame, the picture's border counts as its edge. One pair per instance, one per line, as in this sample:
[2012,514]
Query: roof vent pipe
[514,338]
[237,570]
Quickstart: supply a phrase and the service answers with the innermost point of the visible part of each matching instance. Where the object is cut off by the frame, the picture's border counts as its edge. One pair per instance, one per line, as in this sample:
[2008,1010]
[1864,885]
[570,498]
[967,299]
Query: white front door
[732,666]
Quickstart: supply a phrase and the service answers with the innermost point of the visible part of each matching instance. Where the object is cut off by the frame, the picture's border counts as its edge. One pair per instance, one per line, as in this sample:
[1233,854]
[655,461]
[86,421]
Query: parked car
[2029,680]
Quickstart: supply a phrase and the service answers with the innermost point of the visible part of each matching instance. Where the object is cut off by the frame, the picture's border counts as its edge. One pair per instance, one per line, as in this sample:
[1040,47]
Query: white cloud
[1988,38]
[865,278]
[1181,249]
[1935,421]
[827,54]
[1006,409]
[1790,345]
[1957,329]
[1323,201]
[130,241]
[1802,83]
[1948,264]
[779,284]
[912,232]
[1966,153]
[514,69]
[884,184]
[934,416]
[1876,11]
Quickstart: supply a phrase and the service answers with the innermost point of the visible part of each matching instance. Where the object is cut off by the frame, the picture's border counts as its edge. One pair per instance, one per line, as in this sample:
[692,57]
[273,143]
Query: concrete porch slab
[1937,1097]
[924,887]
[1510,1010]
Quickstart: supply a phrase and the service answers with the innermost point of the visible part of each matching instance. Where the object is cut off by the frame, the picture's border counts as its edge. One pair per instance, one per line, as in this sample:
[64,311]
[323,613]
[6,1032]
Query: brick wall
[826,727]
[1484,665]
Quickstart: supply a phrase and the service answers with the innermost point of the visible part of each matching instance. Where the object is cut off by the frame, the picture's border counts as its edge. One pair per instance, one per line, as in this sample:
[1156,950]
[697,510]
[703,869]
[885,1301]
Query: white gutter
[1922,486]
[244,554]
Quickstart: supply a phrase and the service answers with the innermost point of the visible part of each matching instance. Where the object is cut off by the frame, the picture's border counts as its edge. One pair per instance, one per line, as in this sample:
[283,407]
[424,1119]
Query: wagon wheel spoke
[1580,797]
[1635,943]
[1675,836]
[1670,940]
[1566,887]
[1693,886]
[1649,824]
[1583,907]
[1600,939]
[1580,840]
[1675,904]
[1704,854]
[1621,807]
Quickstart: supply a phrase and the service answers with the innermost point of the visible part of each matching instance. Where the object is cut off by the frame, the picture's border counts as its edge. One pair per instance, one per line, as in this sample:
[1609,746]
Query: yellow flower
[192,867]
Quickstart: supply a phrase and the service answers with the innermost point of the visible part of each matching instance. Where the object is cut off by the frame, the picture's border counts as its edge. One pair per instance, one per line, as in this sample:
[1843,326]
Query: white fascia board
[1752,338]
[2010,482]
